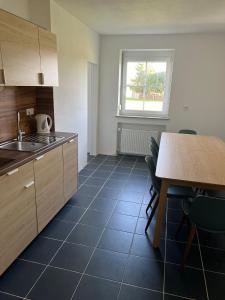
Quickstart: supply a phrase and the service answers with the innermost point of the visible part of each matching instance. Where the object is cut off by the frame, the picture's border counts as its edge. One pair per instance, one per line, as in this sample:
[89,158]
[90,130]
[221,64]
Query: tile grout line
[165,254]
[128,255]
[84,272]
[25,298]
[206,287]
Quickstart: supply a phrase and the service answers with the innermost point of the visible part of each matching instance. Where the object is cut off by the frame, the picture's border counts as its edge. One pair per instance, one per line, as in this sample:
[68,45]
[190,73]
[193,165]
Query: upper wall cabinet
[20,51]
[28,53]
[48,53]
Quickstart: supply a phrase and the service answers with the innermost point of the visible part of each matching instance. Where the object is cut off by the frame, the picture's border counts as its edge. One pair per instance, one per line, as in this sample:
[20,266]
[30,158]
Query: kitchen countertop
[10,159]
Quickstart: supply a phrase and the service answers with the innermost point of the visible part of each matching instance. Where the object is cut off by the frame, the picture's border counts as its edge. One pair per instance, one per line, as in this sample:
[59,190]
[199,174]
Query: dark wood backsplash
[14,99]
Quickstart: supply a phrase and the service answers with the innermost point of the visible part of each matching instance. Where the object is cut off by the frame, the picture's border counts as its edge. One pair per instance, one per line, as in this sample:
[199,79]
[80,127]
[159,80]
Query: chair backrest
[187,131]
[208,213]
[154,143]
[156,182]
[155,153]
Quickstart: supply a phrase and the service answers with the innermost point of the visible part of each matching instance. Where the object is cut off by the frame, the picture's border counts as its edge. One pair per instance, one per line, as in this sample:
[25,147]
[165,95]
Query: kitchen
[87,90]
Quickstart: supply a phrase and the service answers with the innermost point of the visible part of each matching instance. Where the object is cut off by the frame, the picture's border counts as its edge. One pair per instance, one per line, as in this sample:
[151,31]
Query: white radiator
[136,141]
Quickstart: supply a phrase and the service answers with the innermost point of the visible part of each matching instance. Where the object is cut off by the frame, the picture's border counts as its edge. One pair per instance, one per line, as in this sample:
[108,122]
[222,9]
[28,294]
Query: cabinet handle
[41,78]
[39,157]
[12,172]
[71,141]
[2,76]
[27,186]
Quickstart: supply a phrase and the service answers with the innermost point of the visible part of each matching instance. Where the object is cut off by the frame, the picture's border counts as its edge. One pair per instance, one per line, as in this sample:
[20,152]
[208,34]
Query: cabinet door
[18,220]
[70,168]
[48,170]
[20,50]
[49,62]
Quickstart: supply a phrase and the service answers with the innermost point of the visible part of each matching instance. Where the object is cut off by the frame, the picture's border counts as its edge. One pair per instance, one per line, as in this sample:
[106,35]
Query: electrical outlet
[30,111]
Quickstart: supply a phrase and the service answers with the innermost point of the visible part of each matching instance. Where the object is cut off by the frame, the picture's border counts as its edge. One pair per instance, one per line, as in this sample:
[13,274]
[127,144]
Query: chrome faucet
[20,132]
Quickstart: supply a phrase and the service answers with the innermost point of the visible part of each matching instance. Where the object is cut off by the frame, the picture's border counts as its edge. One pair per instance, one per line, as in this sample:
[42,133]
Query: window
[145,83]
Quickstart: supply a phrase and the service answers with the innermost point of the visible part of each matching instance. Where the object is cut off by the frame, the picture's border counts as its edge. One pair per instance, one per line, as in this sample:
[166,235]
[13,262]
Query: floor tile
[142,246]
[134,187]
[81,200]
[95,181]
[82,179]
[57,229]
[85,234]
[140,172]
[107,264]
[72,257]
[123,170]
[114,240]
[87,191]
[128,208]
[122,222]
[103,204]
[4,296]
[143,212]
[215,240]
[215,285]
[188,283]
[109,193]
[134,293]
[95,218]
[55,284]
[140,229]
[213,259]
[175,252]
[130,196]
[141,165]
[144,272]
[114,183]
[96,289]
[20,277]
[86,172]
[174,215]
[119,176]
[41,250]
[101,174]
[70,213]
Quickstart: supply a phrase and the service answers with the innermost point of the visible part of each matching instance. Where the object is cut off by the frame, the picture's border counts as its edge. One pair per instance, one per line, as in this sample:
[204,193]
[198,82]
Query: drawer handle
[39,157]
[71,141]
[27,186]
[2,76]
[12,172]
[41,78]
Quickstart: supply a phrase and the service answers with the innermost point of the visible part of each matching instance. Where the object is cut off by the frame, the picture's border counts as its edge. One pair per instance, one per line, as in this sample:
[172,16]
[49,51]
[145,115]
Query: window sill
[143,117]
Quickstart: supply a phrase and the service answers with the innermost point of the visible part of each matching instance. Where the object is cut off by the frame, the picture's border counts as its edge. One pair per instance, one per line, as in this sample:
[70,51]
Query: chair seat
[180,192]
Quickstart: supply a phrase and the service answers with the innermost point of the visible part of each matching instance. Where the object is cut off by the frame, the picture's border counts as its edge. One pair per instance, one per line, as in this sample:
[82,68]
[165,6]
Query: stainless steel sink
[22,146]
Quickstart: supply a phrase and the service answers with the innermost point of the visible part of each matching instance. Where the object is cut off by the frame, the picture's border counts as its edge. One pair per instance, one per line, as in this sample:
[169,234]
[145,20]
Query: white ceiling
[148,16]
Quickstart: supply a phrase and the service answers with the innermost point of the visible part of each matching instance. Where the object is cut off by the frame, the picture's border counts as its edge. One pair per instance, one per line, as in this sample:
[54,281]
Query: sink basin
[22,146]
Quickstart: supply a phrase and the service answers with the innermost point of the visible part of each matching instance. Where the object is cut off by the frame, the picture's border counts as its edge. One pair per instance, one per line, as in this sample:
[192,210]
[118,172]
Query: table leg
[161,212]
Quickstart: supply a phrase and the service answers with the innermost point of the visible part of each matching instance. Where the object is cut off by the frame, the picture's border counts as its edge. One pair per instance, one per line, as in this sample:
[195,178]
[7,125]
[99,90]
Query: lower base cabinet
[32,195]
[18,220]
[48,172]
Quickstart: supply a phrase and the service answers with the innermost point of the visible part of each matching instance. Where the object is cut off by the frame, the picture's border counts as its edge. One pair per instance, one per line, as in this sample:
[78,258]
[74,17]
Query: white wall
[39,13]
[17,7]
[77,44]
[198,82]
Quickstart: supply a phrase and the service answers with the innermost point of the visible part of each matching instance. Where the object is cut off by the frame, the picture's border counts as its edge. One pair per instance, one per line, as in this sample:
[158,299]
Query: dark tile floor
[96,248]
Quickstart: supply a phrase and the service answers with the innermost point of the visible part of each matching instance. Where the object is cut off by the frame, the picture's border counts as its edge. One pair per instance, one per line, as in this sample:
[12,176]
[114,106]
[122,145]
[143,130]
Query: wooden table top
[192,159]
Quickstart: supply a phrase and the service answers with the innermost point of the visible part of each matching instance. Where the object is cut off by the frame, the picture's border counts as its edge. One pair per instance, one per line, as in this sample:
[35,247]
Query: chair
[187,131]
[205,213]
[173,191]
[154,147]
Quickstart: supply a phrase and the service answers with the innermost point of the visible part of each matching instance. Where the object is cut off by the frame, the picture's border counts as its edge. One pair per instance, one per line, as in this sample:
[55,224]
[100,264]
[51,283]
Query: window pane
[136,73]
[155,86]
[134,98]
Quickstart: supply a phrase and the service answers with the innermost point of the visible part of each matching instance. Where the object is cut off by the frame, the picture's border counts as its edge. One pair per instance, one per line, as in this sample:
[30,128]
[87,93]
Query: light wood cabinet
[49,62]
[20,51]
[70,168]
[2,79]
[48,170]
[18,221]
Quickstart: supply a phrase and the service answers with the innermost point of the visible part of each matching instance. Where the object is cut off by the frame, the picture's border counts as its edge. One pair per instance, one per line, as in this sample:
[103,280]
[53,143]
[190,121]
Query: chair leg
[188,246]
[152,213]
[150,202]
[184,218]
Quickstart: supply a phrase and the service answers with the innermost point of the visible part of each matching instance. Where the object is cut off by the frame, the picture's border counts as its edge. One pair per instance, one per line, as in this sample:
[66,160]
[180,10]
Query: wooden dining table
[188,160]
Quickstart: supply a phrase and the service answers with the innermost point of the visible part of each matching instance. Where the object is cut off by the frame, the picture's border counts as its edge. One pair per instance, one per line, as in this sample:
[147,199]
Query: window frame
[147,55]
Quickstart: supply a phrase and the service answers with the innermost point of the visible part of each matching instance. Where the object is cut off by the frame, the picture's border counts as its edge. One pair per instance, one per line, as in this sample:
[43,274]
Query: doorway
[92,109]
